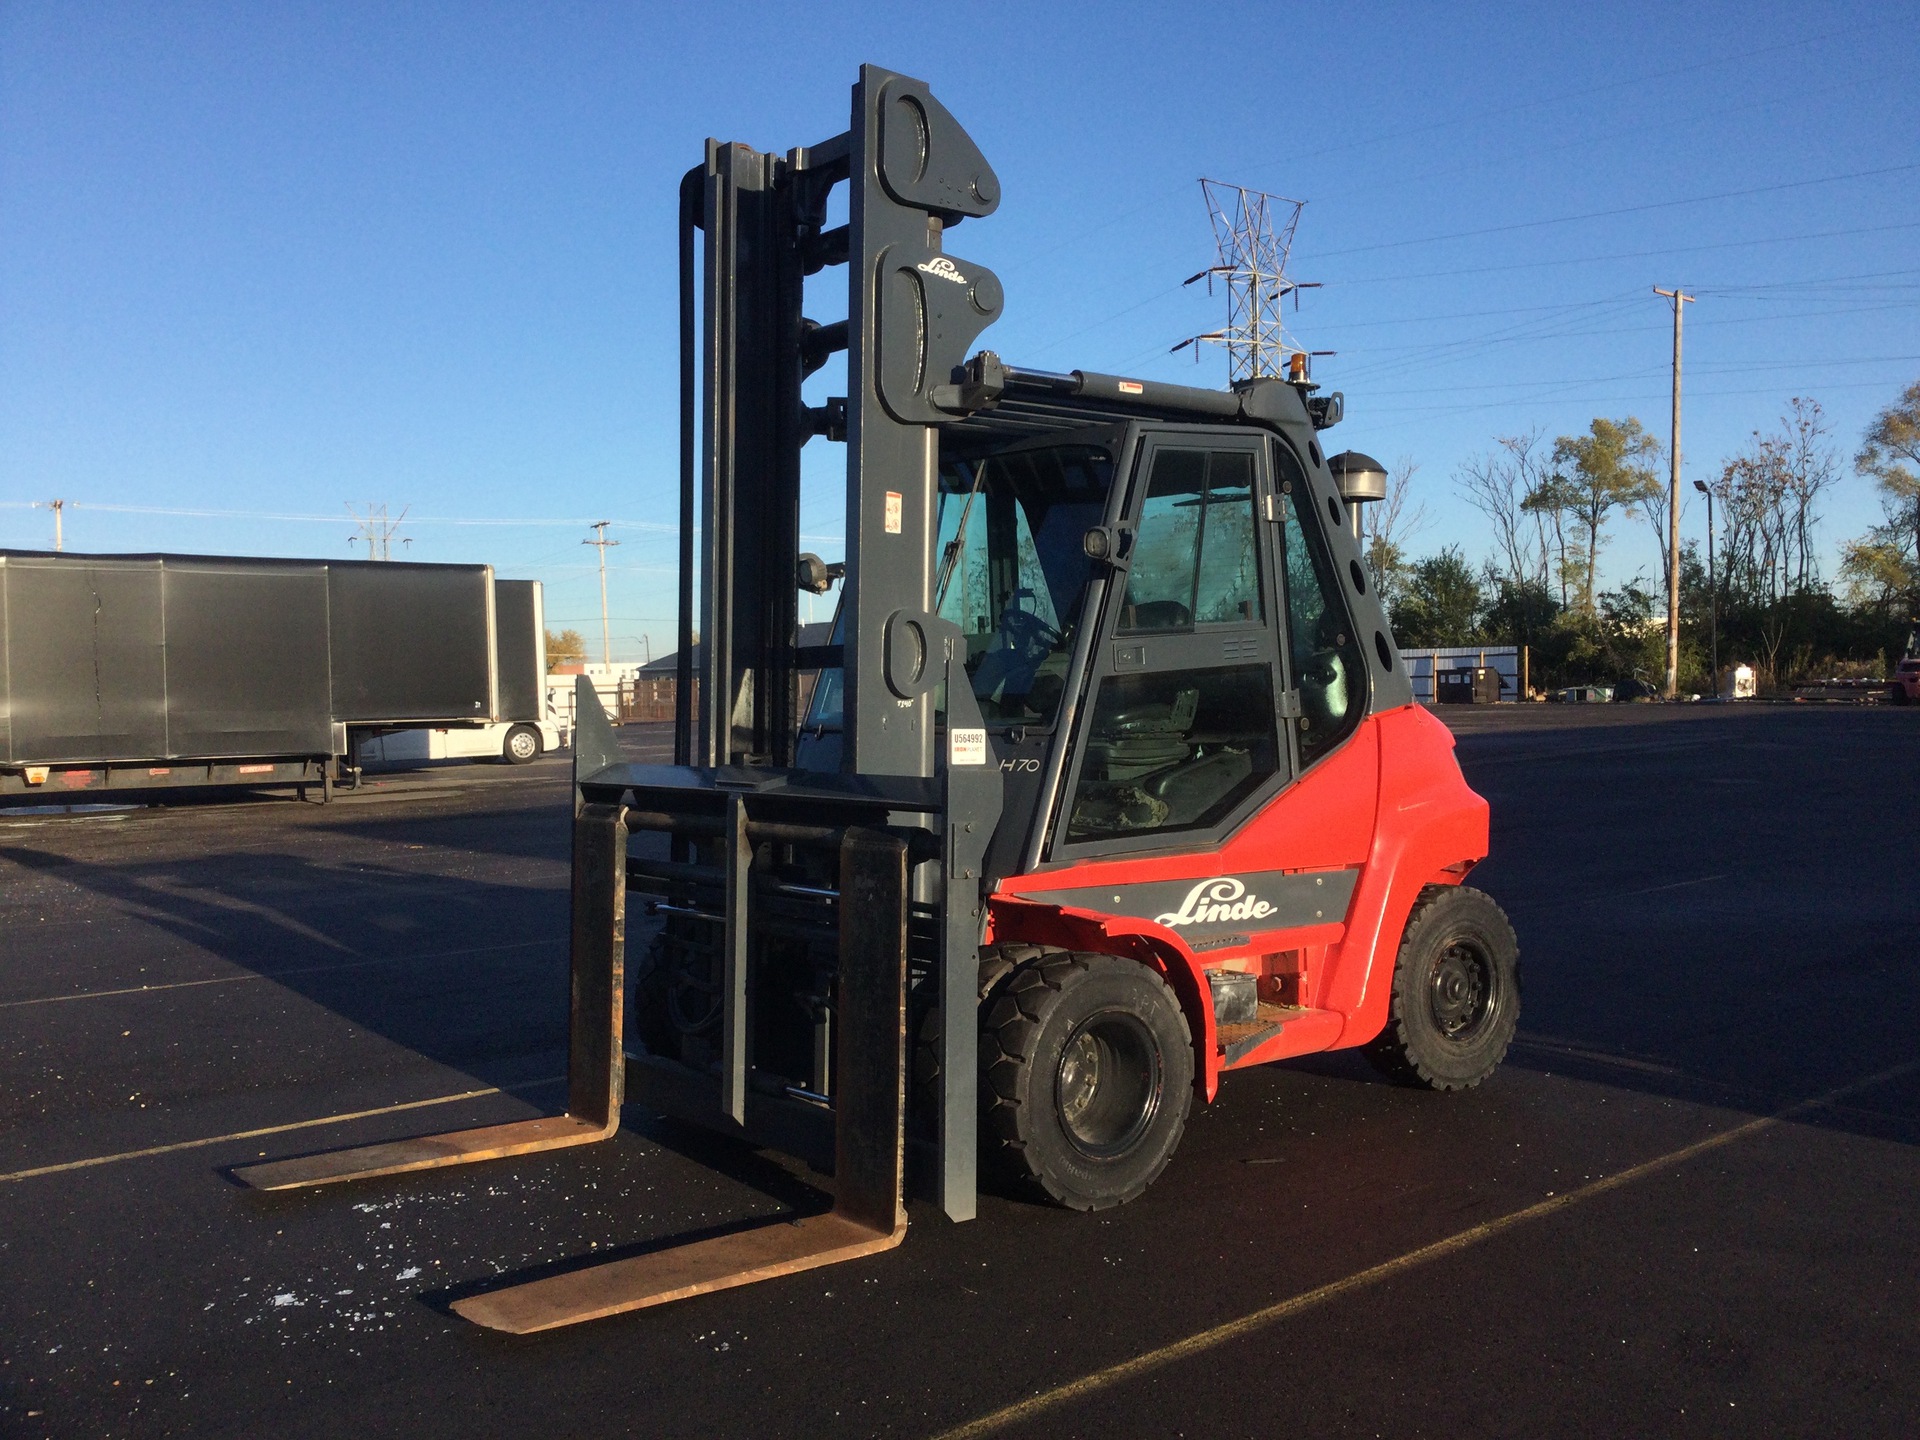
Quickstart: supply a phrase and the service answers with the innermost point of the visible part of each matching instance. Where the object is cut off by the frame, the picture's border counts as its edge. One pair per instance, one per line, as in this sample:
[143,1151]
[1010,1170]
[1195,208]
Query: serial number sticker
[893,512]
[967,747]
[1132,387]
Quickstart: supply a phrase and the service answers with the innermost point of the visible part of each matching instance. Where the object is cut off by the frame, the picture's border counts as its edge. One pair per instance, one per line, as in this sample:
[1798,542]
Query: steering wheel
[1024,632]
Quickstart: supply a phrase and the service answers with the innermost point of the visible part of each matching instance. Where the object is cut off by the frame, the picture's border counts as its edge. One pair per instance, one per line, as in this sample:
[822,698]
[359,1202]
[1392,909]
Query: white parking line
[1205,1340]
[341,1118]
[280,974]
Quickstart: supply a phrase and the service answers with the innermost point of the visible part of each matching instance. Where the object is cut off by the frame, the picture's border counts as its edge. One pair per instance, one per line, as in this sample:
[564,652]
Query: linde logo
[942,268]
[1214,901]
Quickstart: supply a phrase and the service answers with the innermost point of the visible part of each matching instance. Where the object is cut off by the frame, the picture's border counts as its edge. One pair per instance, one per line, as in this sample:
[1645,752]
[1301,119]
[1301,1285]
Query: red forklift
[1110,780]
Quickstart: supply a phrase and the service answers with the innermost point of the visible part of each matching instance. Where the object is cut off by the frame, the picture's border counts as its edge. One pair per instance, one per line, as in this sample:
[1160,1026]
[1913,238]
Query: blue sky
[266,260]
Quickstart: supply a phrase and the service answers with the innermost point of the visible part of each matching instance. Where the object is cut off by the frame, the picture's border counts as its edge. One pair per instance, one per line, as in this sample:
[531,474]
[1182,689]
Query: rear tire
[1086,1069]
[522,744]
[1456,992]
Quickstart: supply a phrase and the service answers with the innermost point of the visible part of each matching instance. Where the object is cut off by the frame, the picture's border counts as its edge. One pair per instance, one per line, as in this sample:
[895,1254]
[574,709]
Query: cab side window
[1328,667]
[1193,561]
[1185,727]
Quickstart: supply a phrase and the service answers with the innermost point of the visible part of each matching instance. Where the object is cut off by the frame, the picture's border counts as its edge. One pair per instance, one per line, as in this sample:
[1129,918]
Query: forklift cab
[1153,626]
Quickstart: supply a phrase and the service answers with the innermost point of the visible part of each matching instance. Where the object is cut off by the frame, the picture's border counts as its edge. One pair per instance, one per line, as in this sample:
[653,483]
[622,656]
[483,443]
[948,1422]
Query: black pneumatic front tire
[1456,992]
[1086,1068]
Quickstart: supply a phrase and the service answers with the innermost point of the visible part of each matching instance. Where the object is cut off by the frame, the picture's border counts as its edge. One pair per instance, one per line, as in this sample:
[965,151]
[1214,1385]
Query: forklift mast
[913,313]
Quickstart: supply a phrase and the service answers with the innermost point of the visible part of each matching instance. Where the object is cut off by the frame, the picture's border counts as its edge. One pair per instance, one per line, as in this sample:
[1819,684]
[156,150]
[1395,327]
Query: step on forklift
[1109,781]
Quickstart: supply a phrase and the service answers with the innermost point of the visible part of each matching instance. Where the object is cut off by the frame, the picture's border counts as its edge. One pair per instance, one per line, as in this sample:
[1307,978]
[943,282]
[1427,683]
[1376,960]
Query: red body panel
[1390,803]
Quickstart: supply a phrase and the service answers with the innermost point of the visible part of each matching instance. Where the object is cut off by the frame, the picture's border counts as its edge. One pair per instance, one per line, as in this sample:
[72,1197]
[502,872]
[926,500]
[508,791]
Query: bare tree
[1768,497]
[1394,521]
[1653,505]
[1808,468]
[1505,485]
[1553,505]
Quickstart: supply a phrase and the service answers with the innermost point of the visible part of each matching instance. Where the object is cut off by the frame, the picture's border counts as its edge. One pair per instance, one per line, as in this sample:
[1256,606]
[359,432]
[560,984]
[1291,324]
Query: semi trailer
[144,672]
[1111,783]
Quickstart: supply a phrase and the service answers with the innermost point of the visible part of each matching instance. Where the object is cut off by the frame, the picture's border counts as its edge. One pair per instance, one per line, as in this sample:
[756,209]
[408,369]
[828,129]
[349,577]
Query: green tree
[1441,603]
[566,648]
[1612,467]
[1891,455]
[1520,612]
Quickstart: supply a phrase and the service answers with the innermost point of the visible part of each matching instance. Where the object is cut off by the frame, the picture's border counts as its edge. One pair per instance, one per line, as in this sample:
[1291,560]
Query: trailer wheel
[1086,1074]
[1456,992]
[522,744]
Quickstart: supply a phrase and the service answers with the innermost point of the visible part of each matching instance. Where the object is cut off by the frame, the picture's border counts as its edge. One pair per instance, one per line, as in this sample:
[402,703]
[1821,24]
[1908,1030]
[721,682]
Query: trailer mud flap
[868,1213]
[595,1059]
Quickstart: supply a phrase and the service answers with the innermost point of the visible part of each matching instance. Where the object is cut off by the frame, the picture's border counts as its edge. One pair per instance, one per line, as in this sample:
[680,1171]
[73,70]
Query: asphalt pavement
[1685,1206]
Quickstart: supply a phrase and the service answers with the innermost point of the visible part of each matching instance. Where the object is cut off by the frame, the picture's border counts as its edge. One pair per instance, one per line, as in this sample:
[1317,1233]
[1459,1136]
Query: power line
[1622,255]
[1464,117]
[209,514]
[1622,210]
[1397,411]
[1478,270]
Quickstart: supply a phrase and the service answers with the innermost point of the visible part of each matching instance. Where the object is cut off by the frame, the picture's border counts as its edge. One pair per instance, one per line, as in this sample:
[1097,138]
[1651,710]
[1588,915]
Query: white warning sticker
[967,747]
[1132,387]
[893,512]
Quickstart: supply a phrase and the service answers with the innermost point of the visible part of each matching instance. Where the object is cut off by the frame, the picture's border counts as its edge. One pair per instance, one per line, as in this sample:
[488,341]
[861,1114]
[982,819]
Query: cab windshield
[1012,571]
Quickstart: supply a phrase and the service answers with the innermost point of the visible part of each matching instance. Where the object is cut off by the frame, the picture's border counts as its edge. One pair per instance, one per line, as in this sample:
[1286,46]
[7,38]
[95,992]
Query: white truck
[515,742]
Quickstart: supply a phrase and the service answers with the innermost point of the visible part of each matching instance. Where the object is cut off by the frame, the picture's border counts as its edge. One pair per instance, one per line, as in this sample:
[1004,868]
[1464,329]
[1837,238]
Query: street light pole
[1713,593]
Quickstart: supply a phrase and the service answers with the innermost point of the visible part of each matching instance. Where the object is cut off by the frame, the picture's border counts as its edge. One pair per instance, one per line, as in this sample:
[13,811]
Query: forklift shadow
[465,973]
[1887,1110]
[1884,1108]
[535,832]
[540,832]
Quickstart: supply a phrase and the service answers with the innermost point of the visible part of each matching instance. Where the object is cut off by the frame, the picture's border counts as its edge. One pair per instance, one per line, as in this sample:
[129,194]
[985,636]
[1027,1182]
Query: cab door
[1181,736]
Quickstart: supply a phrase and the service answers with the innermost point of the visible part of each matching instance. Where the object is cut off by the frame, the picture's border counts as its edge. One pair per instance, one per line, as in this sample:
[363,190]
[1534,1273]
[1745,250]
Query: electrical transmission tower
[1254,234]
[376,529]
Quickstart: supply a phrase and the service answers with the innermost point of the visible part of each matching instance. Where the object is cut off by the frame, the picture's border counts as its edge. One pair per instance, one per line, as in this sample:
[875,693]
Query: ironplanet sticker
[1259,900]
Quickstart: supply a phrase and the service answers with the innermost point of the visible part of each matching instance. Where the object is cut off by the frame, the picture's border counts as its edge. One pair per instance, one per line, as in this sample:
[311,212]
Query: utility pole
[601,542]
[1673,506]
[56,506]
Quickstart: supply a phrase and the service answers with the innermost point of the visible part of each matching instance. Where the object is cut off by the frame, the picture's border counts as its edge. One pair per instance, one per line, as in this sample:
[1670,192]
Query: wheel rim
[1461,993]
[1107,1088]
[523,745]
